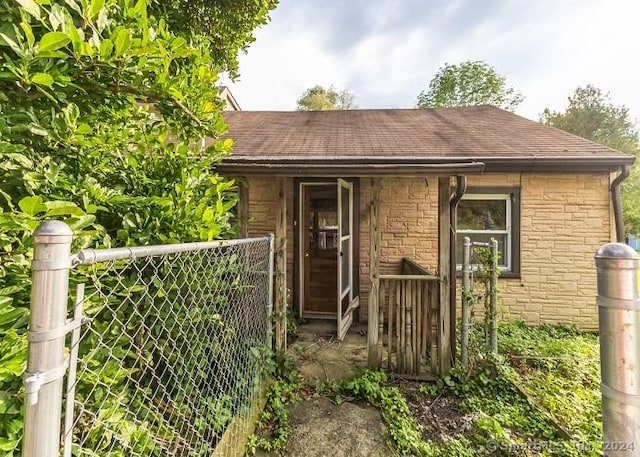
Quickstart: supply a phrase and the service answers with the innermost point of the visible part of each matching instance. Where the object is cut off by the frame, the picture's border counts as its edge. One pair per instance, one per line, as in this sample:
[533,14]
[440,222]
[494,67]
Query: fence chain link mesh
[479,293]
[479,279]
[175,350]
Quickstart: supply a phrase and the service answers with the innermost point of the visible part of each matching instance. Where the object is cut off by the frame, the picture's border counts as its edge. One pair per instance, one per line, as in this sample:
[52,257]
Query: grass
[560,415]
[560,367]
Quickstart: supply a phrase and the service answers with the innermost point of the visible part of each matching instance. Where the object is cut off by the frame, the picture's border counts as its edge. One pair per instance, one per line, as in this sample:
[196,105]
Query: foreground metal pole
[493,298]
[45,365]
[619,319]
[466,301]
[272,252]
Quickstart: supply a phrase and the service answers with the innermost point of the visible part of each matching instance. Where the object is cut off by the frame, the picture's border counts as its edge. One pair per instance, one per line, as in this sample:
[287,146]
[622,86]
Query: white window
[482,216]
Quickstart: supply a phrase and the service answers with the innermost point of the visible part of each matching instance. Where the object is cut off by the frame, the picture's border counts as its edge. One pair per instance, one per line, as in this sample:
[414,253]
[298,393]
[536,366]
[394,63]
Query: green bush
[104,112]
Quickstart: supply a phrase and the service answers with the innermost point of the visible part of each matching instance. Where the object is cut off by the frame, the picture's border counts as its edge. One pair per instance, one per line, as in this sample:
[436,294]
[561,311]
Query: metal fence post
[493,298]
[46,364]
[466,302]
[619,320]
[272,253]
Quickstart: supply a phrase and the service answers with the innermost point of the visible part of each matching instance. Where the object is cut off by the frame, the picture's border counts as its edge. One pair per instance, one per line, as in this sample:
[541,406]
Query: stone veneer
[564,219]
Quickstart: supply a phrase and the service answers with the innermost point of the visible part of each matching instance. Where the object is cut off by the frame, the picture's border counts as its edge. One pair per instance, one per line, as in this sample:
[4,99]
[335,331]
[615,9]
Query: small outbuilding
[369,208]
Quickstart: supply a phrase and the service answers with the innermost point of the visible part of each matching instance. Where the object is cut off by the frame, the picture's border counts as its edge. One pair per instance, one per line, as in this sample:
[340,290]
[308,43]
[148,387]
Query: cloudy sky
[386,51]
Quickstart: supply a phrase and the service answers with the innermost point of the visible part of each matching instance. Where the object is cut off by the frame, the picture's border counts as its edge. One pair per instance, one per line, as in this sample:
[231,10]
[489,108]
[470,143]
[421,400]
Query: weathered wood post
[281,266]
[444,260]
[243,208]
[374,353]
[619,321]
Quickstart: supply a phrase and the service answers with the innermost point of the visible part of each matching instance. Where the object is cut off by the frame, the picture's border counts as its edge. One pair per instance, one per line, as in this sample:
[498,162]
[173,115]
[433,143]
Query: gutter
[616,200]
[492,163]
[461,187]
[557,164]
[338,169]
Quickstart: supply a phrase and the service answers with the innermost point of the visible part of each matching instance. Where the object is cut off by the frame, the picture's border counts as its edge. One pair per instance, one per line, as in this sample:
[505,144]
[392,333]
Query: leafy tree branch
[468,84]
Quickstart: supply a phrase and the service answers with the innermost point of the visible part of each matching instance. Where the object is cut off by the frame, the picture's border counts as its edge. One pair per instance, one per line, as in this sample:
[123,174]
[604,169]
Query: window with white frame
[487,213]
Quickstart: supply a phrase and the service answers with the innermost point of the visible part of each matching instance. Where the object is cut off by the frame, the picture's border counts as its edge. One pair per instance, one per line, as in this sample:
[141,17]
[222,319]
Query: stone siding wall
[564,219]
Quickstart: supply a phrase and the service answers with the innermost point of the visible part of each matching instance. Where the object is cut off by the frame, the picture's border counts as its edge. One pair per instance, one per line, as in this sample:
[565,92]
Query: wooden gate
[406,319]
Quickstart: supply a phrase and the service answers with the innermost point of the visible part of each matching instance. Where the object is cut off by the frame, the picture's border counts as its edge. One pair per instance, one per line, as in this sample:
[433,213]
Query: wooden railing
[407,317]
[411,267]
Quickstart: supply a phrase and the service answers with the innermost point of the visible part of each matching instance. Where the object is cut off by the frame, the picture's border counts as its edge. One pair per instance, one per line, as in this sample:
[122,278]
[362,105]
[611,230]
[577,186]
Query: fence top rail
[93,256]
[480,244]
[411,277]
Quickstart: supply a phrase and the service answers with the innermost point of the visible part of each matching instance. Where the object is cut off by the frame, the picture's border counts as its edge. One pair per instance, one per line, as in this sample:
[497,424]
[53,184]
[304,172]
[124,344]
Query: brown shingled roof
[500,139]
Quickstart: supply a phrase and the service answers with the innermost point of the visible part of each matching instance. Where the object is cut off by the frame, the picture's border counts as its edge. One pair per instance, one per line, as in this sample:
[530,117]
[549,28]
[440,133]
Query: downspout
[616,200]
[461,187]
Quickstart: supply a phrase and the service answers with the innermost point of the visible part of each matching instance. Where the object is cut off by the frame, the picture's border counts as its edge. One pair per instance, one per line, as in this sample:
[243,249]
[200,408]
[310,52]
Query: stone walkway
[320,356]
[320,426]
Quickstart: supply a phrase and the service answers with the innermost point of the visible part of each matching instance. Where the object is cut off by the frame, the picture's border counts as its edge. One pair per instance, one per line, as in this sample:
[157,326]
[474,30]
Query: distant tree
[469,84]
[317,98]
[591,114]
[631,201]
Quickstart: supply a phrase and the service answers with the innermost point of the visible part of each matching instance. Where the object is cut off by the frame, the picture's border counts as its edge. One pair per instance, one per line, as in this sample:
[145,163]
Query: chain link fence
[480,273]
[169,349]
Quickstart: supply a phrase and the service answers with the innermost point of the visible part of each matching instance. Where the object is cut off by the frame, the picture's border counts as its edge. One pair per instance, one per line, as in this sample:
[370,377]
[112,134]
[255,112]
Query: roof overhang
[340,168]
[556,164]
[415,166]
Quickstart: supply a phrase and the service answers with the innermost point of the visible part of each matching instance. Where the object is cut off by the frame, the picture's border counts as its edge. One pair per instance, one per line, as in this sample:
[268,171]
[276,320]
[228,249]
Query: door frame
[345,234]
[298,261]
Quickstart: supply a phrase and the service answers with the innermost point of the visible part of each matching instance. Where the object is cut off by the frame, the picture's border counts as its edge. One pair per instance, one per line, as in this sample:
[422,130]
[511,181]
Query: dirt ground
[323,428]
[441,417]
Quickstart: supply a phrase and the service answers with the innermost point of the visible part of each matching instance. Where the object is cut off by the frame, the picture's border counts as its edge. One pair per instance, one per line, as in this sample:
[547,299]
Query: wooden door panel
[318,258]
[322,285]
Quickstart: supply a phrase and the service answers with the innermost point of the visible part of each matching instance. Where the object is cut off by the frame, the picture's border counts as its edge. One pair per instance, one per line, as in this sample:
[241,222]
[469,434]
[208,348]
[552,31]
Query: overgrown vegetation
[556,410]
[405,431]
[273,428]
[227,24]
[104,108]
[559,366]
[539,396]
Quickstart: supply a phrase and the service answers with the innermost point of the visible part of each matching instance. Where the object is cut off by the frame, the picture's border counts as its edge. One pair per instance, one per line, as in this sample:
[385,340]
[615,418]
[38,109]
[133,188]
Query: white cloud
[385,52]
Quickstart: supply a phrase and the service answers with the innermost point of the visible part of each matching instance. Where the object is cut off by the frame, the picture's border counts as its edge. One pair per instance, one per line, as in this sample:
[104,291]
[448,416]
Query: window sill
[503,274]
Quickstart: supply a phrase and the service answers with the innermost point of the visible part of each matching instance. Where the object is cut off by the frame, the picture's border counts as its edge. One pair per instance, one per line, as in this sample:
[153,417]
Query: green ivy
[405,432]
[557,366]
[560,367]
[272,428]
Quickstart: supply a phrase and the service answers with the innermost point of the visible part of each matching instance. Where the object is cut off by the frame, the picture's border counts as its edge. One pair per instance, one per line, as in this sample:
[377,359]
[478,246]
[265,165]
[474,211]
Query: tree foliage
[469,84]
[318,98]
[104,109]
[228,25]
[591,114]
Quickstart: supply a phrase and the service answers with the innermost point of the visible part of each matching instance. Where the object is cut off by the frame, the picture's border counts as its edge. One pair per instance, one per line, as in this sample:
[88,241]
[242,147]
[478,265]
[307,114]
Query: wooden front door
[319,247]
[327,257]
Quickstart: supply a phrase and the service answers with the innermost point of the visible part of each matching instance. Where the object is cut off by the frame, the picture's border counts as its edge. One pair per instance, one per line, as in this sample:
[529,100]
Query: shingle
[450,133]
